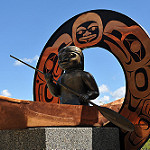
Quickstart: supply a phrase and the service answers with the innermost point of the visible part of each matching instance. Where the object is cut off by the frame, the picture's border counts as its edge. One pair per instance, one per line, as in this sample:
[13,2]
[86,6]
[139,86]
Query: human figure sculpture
[71,60]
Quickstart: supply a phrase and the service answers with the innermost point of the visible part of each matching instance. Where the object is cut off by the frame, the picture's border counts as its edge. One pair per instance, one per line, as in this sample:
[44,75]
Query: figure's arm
[53,88]
[91,86]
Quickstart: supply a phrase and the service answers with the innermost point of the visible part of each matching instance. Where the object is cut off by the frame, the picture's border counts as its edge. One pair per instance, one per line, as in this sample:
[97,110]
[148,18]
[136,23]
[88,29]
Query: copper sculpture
[71,60]
[77,87]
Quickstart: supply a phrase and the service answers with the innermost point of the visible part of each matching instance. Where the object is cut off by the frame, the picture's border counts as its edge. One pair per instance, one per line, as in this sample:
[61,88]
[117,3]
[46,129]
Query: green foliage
[146,146]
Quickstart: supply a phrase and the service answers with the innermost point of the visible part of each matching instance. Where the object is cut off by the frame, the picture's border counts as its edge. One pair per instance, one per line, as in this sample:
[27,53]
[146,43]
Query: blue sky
[25,27]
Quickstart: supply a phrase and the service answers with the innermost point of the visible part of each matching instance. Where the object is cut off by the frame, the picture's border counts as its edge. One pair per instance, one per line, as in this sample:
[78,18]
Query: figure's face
[87,32]
[68,60]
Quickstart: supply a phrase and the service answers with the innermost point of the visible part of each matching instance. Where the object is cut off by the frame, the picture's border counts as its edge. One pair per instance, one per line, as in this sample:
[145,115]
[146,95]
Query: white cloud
[103,88]
[101,100]
[6,93]
[98,102]
[119,93]
[107,96]
[36,58]
[105,99]
[27,60]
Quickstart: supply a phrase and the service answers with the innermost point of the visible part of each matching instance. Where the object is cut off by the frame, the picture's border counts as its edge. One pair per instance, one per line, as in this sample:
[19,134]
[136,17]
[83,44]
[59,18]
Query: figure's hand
[84,97]
[48,77]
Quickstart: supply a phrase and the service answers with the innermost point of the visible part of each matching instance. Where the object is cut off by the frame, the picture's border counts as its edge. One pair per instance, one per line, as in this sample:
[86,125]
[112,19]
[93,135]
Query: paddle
[111,115]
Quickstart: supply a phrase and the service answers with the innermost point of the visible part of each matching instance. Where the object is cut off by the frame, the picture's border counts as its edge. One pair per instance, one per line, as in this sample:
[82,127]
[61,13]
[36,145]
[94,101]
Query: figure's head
[71,57]
[87,30]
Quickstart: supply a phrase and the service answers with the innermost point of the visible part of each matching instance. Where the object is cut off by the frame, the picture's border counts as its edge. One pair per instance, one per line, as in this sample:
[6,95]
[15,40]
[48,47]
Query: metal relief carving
[130,45]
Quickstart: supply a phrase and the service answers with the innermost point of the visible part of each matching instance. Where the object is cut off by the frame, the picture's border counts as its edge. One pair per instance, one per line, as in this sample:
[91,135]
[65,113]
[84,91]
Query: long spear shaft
[111,115]
[44,73]
[27,64]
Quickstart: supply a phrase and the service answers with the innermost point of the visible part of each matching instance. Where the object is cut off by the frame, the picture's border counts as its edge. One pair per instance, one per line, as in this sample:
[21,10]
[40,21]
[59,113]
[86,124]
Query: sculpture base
[66,138]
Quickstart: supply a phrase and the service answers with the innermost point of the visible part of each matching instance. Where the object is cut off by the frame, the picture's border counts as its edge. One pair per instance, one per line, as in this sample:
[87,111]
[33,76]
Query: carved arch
[128,42]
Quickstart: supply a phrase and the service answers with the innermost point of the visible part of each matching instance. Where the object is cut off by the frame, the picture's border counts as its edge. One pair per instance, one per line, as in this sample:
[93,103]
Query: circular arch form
[128,42]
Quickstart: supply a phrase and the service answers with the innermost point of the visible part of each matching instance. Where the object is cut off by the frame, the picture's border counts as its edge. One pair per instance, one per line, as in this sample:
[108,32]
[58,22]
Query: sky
[26,26]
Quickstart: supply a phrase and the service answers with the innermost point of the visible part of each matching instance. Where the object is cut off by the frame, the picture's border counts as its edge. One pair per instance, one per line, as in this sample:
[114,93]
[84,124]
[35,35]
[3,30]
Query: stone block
[60,138]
